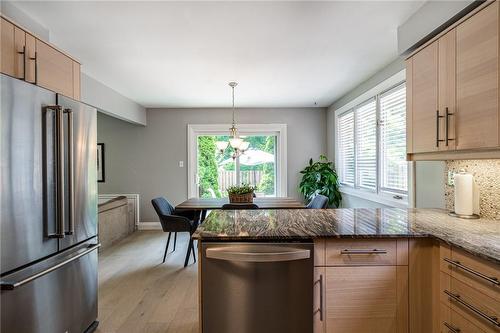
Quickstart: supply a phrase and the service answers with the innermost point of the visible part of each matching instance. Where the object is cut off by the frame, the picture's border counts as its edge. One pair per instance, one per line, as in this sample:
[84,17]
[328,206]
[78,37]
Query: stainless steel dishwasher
[257,287]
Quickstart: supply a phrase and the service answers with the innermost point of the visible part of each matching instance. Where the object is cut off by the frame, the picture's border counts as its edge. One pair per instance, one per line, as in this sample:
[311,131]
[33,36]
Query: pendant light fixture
[237,144]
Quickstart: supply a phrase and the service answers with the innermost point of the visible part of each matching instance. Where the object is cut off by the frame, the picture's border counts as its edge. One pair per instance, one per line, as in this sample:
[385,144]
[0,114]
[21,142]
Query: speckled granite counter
[480,237]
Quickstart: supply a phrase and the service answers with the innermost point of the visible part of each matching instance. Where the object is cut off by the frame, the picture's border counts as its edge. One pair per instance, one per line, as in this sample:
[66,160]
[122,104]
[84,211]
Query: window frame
[380,195]
[279,130]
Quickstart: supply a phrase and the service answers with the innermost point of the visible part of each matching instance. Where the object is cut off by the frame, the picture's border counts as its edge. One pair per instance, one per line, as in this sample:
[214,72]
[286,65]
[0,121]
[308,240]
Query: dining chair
[318,202]
[176,221]
[233,206]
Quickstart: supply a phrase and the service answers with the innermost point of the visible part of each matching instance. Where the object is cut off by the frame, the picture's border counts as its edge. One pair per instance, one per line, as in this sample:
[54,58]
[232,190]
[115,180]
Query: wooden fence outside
[228,178]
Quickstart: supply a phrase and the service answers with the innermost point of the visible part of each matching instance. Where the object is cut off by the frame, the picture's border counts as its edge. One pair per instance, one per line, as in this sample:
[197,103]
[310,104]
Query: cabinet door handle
[452,329]
[437,128]
[447,125]
[490,279]
[23,52]
[457,298]
[320,310]
[363,251]
[35,58]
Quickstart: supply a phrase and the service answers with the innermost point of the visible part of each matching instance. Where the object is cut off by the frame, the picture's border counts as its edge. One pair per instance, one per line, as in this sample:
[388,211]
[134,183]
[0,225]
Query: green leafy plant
[242,189]
[320,177]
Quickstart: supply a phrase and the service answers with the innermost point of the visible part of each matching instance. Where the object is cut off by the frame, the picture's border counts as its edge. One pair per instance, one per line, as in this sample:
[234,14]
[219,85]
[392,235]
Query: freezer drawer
[58,295]
[257,287]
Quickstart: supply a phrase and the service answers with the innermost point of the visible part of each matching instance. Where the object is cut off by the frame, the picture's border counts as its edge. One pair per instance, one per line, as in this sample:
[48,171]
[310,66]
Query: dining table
[205,204]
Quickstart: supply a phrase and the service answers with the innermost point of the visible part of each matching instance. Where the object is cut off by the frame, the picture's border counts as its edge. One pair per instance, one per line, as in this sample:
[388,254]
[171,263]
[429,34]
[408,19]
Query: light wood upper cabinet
[424,91]
[8,54]
[28,58]
[477,80]
[54,69]
[452,91]
[76,80]
[447,90]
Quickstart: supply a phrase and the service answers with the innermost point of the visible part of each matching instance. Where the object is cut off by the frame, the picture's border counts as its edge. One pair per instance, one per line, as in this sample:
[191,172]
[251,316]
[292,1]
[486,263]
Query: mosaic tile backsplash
[487,176]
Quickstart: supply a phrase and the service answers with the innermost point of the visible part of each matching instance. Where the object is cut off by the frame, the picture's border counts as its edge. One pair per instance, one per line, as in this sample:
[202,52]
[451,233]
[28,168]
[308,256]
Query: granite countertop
[480,237]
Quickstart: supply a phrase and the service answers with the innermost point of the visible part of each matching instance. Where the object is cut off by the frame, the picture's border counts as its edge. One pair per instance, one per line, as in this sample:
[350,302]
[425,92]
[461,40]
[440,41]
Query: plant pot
[241,198]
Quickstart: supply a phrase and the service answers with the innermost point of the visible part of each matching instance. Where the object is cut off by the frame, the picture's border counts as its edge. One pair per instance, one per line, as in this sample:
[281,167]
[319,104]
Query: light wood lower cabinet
[365,299]
[360,292]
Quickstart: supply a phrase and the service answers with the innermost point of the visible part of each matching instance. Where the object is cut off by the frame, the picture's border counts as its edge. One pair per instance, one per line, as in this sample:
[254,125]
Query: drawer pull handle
[451,328]
[456,297]
[363,251]
[457,264]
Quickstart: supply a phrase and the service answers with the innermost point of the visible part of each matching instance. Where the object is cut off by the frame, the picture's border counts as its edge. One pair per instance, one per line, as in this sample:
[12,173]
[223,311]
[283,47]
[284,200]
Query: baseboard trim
[149,226]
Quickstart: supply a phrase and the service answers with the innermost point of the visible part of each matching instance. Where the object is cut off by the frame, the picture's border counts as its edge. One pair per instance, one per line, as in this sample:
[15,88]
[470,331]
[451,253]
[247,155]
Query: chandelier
[238,145]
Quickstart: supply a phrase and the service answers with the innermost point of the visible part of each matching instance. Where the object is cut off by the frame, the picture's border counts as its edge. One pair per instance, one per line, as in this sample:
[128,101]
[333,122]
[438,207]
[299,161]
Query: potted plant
[320,177]
[241,194]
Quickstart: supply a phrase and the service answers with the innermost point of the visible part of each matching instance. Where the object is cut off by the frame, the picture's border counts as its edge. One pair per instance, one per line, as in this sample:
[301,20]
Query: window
[371,144]
[210,172]
[393,165]
[217,171]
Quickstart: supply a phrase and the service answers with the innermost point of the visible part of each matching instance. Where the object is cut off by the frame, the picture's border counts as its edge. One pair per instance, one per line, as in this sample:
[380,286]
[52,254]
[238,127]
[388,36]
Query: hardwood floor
[137,293]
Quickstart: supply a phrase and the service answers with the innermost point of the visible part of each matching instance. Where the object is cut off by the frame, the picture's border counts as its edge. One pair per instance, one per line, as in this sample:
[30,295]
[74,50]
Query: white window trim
[195,130]
[384,198]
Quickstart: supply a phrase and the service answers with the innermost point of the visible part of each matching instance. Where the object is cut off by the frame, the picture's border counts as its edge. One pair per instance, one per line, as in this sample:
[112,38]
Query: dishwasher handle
[272,254]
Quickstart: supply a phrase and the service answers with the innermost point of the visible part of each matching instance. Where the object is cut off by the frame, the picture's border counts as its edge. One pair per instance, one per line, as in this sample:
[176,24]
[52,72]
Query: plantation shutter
[366,145]
[394,166]
[346,148]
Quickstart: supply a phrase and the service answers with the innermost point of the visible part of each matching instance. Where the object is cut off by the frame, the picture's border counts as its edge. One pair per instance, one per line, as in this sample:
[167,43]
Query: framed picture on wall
[100,163]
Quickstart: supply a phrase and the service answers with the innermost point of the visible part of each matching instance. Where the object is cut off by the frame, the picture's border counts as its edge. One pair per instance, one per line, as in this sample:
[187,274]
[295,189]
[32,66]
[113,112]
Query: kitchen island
[378,270]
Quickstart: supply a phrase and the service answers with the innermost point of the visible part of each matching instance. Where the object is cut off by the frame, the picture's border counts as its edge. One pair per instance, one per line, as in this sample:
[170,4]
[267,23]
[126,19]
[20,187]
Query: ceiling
[183,54]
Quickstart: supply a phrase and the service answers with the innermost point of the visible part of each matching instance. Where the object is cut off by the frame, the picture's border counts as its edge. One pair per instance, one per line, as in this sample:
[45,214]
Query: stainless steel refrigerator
[48,226]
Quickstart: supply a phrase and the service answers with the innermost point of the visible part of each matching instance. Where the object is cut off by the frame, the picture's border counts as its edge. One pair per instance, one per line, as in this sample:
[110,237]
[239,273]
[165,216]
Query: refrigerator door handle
[11,285]
[59,152]
[71,174]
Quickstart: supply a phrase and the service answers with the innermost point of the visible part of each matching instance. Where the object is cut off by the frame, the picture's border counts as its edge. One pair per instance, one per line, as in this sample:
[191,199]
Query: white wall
[111,102]
[145,160]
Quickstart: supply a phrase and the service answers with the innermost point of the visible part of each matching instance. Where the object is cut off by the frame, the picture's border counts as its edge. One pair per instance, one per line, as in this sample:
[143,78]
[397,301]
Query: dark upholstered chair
[176,221]
[239,206]
[318,202]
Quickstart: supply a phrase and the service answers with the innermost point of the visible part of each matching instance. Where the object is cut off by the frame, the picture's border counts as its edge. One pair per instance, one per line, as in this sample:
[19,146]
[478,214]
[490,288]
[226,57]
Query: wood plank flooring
[137,293]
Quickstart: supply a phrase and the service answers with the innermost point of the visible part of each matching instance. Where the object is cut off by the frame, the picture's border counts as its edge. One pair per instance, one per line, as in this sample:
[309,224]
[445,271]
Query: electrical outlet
[181,164]
[451,180]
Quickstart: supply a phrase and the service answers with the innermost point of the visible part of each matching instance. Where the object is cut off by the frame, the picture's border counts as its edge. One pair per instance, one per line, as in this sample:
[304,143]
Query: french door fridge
[48,196]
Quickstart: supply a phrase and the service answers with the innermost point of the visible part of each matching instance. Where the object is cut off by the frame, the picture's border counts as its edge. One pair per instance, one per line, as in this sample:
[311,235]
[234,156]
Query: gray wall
[429,17]
[92,91]
[394,67]
[10,10]
[111,102]
[145,160]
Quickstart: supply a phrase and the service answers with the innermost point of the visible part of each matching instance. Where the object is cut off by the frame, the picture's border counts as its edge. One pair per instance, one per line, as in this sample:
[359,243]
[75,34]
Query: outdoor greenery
[209,161]
[320,177]
[241,189]
[207,167]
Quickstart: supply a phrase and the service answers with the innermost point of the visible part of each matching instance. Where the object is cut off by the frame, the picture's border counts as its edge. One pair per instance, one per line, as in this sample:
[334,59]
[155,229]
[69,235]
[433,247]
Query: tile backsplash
[487,176]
